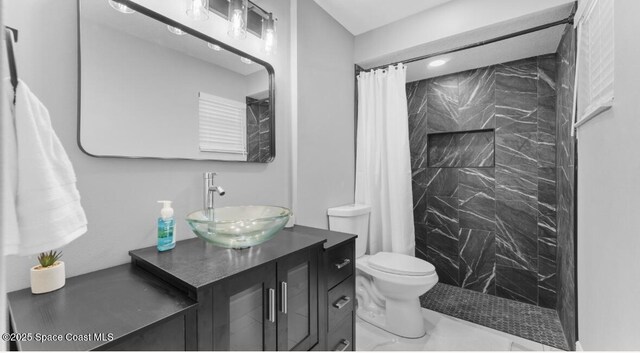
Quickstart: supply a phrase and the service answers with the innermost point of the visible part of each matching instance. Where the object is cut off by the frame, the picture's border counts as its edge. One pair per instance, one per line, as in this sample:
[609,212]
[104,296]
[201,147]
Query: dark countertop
[118,300]
[333,238]
[195,264]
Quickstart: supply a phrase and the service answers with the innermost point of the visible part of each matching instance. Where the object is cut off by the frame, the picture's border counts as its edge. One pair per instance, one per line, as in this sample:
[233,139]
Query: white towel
[46,212]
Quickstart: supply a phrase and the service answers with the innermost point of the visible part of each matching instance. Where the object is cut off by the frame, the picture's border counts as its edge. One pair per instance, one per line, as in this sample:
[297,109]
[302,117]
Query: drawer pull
[284,297]
[272,305]
[343,264]
[342,302]
[342,346]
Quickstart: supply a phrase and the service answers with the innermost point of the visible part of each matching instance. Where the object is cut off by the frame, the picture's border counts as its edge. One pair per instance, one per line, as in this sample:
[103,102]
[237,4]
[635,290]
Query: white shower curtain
[383,169]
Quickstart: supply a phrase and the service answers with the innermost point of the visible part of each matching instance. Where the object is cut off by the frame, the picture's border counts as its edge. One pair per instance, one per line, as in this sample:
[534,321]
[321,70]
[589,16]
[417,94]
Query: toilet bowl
[388,285]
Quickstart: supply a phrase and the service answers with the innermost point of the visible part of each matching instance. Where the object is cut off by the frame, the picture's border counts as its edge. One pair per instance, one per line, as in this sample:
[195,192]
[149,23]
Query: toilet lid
[400,264]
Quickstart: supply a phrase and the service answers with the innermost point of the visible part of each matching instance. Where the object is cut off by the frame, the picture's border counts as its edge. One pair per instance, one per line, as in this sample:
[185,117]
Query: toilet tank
[352,219]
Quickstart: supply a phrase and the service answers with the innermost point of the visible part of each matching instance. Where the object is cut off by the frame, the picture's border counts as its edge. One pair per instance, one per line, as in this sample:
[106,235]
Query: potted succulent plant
[49,274]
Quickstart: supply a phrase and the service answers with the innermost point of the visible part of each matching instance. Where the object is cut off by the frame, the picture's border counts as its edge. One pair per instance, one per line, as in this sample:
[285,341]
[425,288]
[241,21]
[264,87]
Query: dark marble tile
[477,260]
[476,197]
[442,104]
[547,115]
[442,252]
[442,213]
[476,90]
[517,284]
[516,149]
[253,137]
[477,149]
[474,181]
[547,75]
[516,234]
[417,96]
[517,182]
[547,190]
[418,140]
[474,149]
[546,150]
[547,295]
[444,151]
[421,231]
[516,112]
[264,126]
[518,76]
[478,212]
[419,202]
[442,182]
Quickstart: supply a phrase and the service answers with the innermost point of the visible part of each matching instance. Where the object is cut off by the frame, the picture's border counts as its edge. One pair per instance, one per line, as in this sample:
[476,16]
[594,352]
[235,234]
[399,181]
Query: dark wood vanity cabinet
[272,307]
[294,292]
[339,263]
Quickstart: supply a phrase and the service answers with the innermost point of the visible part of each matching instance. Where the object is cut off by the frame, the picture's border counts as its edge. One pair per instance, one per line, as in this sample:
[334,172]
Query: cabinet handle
[284,298]
[272,305]
[343,264]
[344,343]
[342,302]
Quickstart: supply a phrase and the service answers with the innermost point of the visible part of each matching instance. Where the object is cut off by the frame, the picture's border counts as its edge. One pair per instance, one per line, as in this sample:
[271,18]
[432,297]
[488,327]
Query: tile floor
[444,333]
[518,319]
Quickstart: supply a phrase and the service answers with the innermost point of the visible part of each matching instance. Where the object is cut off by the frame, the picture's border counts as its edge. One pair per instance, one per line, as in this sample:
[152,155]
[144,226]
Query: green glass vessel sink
[238,227]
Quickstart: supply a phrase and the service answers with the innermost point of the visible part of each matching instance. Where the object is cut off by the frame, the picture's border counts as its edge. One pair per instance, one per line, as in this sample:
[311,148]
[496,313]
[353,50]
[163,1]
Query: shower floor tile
[519,319]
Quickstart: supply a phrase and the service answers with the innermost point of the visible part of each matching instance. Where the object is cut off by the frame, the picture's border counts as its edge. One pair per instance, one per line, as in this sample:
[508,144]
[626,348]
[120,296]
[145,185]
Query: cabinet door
[245,311]
[298,301]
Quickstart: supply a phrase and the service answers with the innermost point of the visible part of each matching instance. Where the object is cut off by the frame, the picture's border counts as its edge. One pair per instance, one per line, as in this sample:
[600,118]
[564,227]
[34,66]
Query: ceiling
[146,28]
[359,16]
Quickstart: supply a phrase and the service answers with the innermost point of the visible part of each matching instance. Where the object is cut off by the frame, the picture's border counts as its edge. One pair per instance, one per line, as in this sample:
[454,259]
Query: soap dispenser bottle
[166,227]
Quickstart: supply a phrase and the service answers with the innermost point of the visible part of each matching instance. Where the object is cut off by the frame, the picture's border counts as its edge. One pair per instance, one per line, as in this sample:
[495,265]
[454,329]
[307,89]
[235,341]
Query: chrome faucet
[210,189]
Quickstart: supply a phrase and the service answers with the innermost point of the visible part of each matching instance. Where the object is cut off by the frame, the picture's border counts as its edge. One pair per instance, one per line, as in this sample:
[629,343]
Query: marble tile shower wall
[566,187]
[258,127]
[483,153]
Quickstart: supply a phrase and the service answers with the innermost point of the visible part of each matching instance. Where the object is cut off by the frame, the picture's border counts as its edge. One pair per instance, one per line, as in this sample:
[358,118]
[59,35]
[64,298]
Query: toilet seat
[400,264]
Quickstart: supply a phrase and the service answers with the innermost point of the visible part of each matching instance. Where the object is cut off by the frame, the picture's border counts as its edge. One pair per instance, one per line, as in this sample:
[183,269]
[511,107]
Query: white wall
[608,207]
[326,155]
[150,110]
[119,195]
[452,24]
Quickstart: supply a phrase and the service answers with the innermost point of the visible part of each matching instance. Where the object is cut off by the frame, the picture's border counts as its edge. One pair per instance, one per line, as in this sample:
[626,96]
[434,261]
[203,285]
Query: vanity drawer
[341,302]
[340,263]
[341,338]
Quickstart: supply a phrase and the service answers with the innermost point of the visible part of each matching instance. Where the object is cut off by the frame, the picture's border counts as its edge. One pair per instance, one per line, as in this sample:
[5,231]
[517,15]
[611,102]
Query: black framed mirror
[151,87]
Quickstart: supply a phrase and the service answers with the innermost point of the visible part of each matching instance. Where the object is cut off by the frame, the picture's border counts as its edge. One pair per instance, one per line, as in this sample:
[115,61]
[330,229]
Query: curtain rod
[568,20]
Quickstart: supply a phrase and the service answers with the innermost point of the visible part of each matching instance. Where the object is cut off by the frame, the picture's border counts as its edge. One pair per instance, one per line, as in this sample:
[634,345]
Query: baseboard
[579,347]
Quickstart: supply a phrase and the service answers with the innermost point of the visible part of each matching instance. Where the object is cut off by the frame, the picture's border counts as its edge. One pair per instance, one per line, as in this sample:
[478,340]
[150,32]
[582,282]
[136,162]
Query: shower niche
[461,149]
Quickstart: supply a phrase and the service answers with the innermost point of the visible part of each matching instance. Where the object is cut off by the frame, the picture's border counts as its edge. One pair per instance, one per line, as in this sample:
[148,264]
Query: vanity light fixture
[120,7]
[237,19]
[214,46]
[246,61]
[269,35]
[176,31]
[438,62]
[198,9]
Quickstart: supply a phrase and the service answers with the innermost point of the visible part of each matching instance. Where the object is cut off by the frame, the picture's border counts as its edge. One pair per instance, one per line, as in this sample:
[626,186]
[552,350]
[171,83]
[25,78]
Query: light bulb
[237,19]
[176,31]
[198,9]
[214,46]
[269,35]
[120,7]
[246,61]
[237,25]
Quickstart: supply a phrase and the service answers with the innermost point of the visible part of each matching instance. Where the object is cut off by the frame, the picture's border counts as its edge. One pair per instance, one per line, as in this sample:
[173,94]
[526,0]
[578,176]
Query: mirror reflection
[148,89]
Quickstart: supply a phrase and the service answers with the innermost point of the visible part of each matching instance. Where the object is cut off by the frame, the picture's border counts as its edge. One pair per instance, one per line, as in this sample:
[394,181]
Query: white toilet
[388,285]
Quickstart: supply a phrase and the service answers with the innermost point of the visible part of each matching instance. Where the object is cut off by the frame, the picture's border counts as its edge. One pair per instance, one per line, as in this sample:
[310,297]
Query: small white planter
[47,279]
